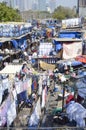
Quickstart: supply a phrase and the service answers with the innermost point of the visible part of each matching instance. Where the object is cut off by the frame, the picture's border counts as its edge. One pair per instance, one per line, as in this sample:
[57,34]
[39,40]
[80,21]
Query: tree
[63,12]
[8,14]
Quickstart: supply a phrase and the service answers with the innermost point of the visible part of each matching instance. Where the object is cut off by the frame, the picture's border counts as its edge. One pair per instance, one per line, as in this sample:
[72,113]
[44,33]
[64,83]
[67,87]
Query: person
[66,69]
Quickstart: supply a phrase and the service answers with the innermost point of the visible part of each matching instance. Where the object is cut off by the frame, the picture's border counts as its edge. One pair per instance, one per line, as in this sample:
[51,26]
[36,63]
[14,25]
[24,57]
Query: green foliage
[63,13]
[8,13]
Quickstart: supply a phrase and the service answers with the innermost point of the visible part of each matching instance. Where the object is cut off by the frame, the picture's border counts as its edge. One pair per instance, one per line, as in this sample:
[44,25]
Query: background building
[42,5]
[35,5]
[22,5]
[81,7]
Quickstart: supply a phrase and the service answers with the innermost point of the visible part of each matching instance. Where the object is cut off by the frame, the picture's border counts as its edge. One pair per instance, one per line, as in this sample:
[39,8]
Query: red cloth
[70,98]
[81,58]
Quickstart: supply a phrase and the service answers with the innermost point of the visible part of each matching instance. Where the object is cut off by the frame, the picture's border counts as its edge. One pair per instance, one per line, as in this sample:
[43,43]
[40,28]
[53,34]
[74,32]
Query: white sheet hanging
[44,92]
[72,50]
[35,117]
[11,113]
[5,83]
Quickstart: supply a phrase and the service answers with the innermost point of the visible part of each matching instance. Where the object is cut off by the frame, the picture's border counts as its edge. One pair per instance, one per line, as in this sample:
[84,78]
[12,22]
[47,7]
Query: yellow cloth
[46,66]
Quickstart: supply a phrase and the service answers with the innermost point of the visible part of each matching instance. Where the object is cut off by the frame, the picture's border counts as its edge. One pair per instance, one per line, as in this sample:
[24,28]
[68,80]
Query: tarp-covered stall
[70,34]
[71,47]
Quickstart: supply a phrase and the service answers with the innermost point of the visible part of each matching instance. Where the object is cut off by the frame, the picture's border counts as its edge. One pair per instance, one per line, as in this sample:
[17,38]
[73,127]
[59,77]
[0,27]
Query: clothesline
[20,86]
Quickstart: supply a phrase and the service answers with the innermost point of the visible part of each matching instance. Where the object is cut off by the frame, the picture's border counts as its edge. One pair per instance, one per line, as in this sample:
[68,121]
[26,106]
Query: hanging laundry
[35,84]
[29,86]
[25,69]
[5,83]
[11,113]
[19,86]
[32,86]
[38,108]
[1,93]
[48,81]
[25,84]
[40,86]
[22,96]
[44,94]
[3,111]
[35,117]
[14,92]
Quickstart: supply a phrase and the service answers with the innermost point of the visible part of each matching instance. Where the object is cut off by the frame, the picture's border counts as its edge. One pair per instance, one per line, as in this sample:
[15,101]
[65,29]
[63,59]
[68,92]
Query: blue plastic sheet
[69,35]
[22,43]
[76,63]
[58,45]
[0,43]
[1,57]
[15,43]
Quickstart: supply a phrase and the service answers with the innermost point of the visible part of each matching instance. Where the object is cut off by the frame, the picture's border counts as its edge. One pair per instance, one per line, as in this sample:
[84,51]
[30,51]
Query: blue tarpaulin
[58,45]
[23,46]
[0,43]
[51,27]
[76,63]
[22,43]
[15,43]
[1,57]
[70,35]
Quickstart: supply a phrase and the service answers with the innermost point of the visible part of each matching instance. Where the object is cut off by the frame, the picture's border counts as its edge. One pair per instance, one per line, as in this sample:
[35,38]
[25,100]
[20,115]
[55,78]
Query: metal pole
[63,97]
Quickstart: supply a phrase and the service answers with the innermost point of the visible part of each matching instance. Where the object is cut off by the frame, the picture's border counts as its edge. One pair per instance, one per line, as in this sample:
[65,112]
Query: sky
[67,3]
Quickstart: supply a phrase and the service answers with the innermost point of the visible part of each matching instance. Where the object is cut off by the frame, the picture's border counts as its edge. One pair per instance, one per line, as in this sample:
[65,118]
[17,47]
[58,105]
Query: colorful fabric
[3,111]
